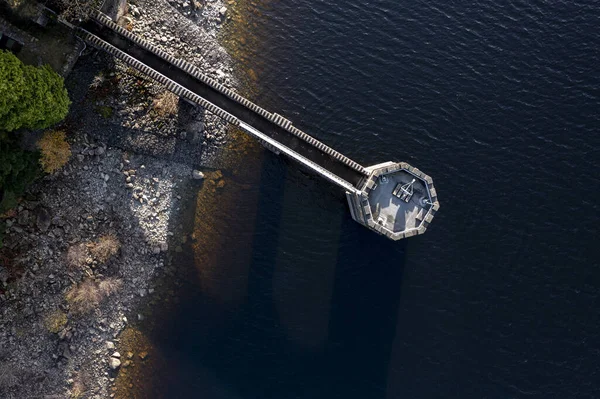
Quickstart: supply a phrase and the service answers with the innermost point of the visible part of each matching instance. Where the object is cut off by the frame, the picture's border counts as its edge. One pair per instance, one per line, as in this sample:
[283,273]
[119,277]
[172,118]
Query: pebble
[114,363]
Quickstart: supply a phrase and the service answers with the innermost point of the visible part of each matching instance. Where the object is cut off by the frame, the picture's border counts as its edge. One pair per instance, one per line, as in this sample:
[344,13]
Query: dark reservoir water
[499,102]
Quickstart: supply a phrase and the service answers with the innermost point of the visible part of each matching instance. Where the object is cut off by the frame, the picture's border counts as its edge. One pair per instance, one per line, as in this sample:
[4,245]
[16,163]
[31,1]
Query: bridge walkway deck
[236,107]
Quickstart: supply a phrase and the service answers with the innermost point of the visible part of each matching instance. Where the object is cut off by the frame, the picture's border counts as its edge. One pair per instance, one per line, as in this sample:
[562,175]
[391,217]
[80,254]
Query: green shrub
[18,169]
[105,111]
[30,97]
[2,230]
[12,82]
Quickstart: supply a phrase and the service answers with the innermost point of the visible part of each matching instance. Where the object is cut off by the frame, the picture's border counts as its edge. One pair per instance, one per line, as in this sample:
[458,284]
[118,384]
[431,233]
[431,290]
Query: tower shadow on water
[319,315]
[259,355]
[364,311]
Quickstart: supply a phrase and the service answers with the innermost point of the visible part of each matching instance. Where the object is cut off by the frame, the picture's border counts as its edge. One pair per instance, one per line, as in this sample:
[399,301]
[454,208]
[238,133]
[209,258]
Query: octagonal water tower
[396,200]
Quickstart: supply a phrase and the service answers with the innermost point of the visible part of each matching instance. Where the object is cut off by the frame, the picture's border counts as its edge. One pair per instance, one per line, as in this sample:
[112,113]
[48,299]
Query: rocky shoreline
[137,152]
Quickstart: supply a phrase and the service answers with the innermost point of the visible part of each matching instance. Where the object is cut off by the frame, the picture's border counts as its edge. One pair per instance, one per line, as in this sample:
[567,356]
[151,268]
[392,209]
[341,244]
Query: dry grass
[78,256]
[105,247]
[109,286]
[98,81]
[82,254]
[15,3]
[86,296]
[55,150]
[166,104]
[80,383]
[78,390]
[55,321]
[77,10]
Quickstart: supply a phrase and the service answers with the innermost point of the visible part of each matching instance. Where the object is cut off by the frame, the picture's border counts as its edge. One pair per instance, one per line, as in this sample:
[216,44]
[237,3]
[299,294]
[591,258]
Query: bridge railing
[193,71]
[299,158]
[185,93]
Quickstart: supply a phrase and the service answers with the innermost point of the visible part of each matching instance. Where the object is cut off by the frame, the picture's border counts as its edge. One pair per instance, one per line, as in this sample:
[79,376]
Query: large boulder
[43,219]
[114,363]
[196,174]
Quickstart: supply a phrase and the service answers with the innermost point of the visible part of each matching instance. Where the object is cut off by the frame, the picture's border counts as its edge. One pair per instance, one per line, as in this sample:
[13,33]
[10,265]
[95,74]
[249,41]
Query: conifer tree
[30,97]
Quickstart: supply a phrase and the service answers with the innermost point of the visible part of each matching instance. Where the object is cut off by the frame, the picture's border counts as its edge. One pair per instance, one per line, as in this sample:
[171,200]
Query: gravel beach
[87,243]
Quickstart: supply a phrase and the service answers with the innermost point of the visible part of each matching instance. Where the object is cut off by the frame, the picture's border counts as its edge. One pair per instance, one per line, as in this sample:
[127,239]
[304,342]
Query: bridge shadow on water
[318,314]
[295,301]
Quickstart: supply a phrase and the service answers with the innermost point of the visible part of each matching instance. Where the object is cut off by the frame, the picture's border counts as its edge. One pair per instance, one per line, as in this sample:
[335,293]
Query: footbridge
[372,192]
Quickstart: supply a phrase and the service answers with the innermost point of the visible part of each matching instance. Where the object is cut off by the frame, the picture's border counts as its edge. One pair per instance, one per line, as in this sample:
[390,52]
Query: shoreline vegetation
[88,246]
